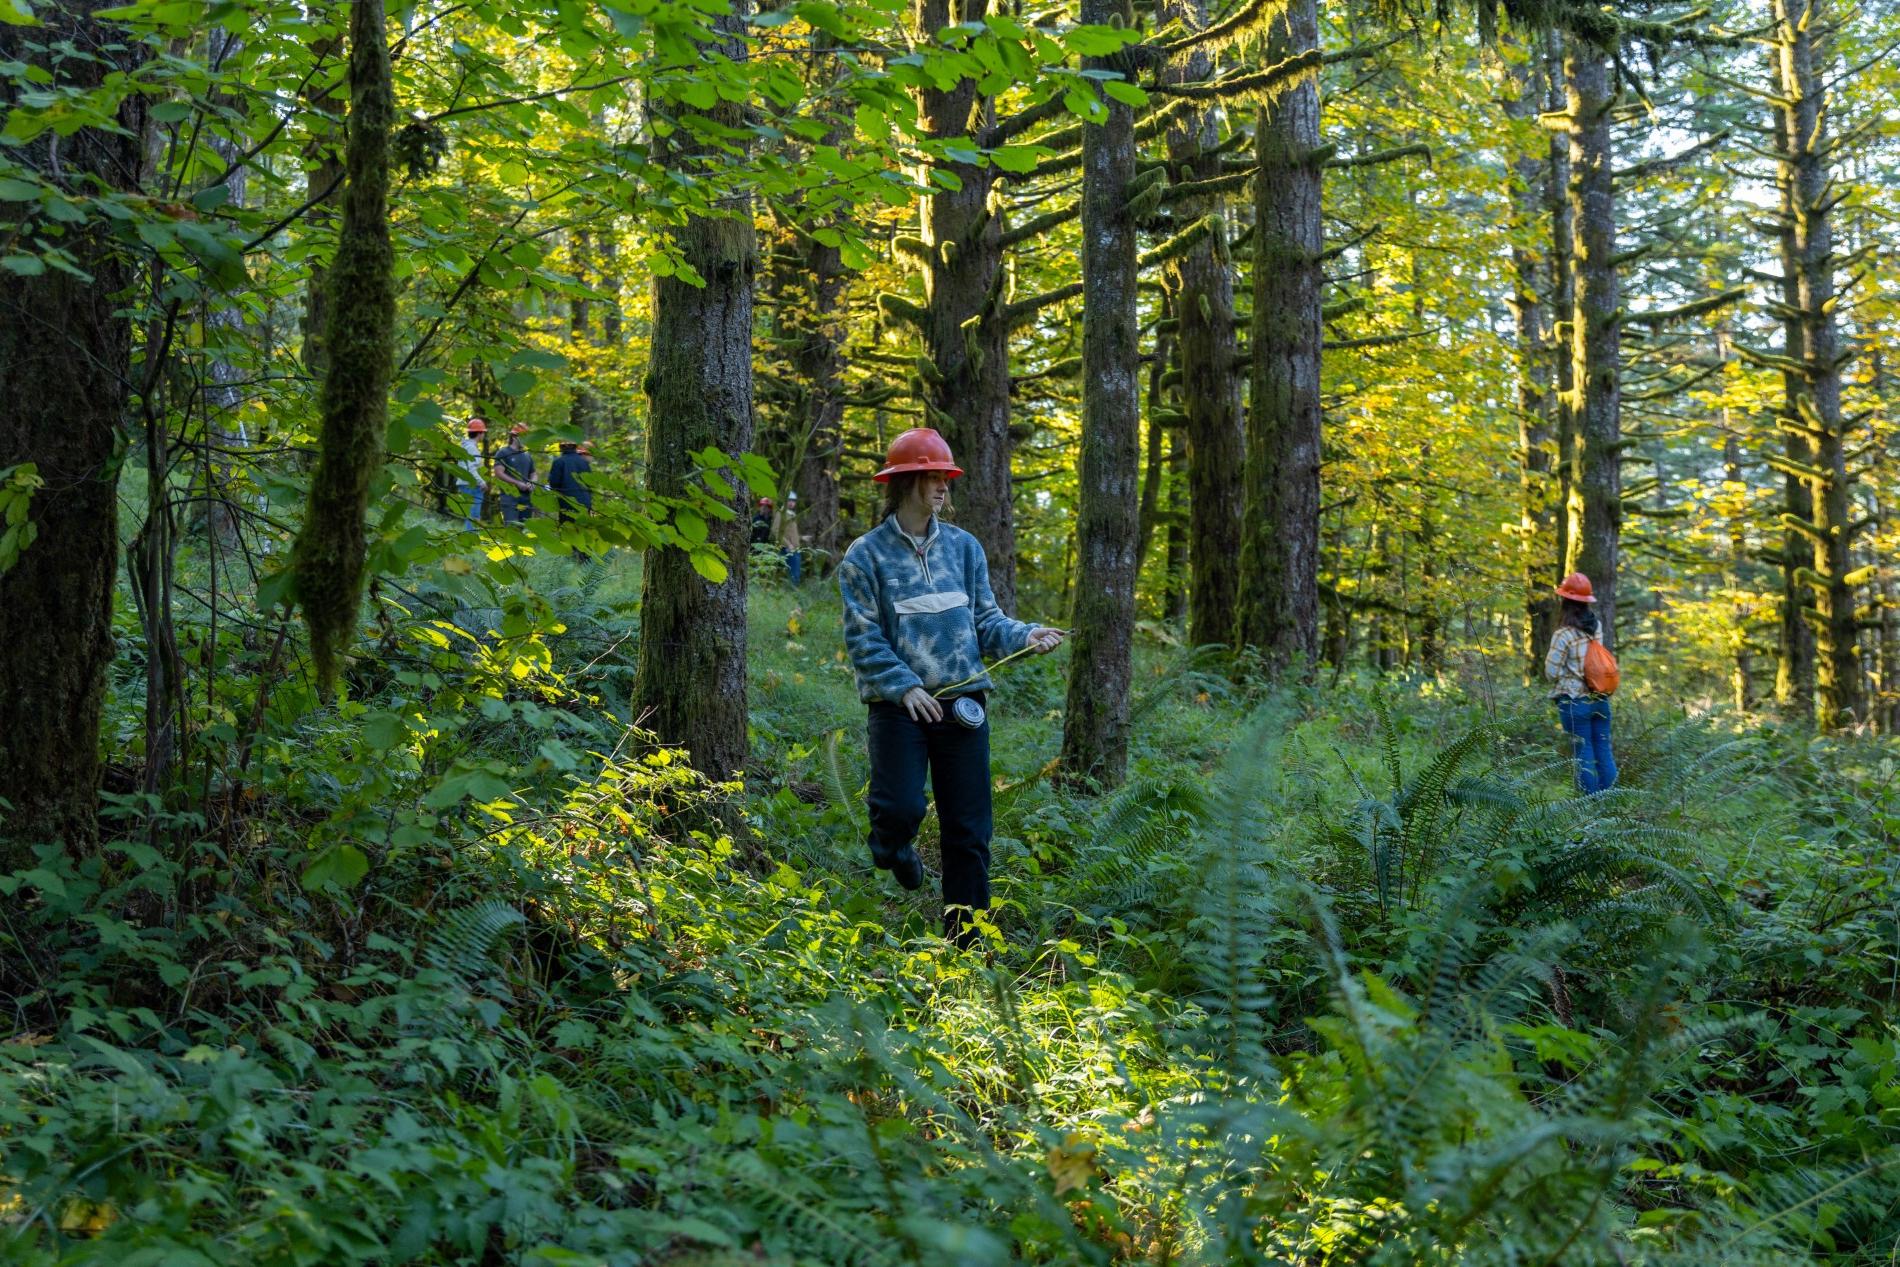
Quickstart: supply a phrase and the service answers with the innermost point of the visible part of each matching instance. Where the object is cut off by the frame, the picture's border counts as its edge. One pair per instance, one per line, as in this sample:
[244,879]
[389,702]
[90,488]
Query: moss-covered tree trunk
[1596,494]
[1154,467]
[1794,650]
[964,327]
[65,362]
[1562,280]
[1811,411]
[359,349]
[1095,723]
[820,364]
[1278,601]
[1176,595]
[1531,318]
[1201,280]
[1741,660]
[690,688]
[322,120]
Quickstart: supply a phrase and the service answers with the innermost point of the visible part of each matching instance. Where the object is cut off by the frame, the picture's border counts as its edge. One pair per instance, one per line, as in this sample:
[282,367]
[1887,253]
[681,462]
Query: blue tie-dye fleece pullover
[919,611]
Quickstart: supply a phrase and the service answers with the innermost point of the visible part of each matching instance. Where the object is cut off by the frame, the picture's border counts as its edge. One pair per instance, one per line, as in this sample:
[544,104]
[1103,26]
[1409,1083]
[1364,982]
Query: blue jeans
[795,566]
[957,760]
[1587,722]
[474,518]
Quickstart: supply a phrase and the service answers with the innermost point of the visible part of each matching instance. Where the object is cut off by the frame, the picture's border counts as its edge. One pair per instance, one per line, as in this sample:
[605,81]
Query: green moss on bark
[327,561]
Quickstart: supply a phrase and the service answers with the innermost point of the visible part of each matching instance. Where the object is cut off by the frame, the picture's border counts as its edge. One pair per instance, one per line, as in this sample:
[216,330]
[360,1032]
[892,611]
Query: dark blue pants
[1587,722]
[795,566]
[957,759]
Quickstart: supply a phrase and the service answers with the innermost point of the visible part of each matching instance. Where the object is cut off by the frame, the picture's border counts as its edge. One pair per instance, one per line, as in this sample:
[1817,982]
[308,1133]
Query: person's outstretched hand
[1044,639]
[921,706]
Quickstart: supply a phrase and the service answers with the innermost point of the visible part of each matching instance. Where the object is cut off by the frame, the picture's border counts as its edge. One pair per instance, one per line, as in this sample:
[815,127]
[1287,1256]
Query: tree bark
[332,543]
[1596,506]
[1531,317]
[690,688]
[1278,603]
[1740,675]
[1813,406]
[966,333]
[1095,723]
[1154,465]
[807,279]
[821,370]
[1563,298]
[1175,599]
[1203,286]
[323,178]
[65,368]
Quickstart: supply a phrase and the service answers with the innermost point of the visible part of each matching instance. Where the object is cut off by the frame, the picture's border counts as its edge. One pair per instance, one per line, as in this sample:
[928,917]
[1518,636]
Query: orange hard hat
[765,501]
[477,427]
[919,449]
[520,428]
[1577,586]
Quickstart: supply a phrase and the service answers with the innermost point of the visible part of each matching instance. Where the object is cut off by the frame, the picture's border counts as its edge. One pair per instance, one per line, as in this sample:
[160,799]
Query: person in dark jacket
[919,618]
[566,482]
[514,468]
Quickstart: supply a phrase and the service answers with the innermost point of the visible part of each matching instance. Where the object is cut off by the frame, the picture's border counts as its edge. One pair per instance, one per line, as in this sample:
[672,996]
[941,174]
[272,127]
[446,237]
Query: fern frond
[464,939]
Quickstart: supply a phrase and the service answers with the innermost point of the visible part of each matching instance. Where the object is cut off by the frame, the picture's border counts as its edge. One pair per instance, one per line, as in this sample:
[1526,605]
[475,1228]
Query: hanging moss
[1185,240]
[327,561]
[896,307]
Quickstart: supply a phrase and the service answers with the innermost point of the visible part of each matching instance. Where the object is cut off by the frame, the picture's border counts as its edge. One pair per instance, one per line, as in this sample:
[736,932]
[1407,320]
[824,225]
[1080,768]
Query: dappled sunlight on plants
[1343,975]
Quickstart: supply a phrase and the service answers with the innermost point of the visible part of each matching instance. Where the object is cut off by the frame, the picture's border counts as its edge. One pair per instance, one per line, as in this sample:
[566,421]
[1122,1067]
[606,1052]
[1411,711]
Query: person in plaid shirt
[1584,714]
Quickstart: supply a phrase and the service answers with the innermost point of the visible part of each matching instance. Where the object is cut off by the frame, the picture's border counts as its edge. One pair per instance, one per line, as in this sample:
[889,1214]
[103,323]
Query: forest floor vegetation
[1345,974]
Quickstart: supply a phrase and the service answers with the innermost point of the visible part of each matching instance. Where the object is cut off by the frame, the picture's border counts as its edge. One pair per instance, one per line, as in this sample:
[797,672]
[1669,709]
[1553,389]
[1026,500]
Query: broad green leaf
[341,864]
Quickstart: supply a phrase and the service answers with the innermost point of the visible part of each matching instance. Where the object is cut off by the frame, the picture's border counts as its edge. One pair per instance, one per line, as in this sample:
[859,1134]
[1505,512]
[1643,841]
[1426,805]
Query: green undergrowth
[1343,974]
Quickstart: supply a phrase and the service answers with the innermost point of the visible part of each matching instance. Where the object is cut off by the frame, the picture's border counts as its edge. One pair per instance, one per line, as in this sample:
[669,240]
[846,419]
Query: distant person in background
[1583,713]
[566,481]
[788,538]
[472,484]
[514,467]
[762,523]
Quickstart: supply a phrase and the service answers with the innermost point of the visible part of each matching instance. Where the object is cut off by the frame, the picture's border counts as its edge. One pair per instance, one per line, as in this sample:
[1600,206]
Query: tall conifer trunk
[1562,277]
[690,688]
[1278,602]
[1531,316]
[818,361]
[1175,600]
[1596,505]
[1095,723]
[966,334]
[65,367]
[1203,286]
[1811,415]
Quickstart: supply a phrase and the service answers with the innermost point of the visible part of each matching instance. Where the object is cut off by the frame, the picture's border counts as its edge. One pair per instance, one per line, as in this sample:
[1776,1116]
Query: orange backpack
[1600,674]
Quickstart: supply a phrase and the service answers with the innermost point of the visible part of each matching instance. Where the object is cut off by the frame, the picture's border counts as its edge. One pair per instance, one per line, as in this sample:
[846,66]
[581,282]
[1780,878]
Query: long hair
[897,489]
[1578,616]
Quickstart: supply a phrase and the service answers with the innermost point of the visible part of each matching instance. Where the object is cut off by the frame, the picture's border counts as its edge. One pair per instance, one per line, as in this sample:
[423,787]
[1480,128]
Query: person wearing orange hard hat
[919,619]
[472,485]
[1583,708]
